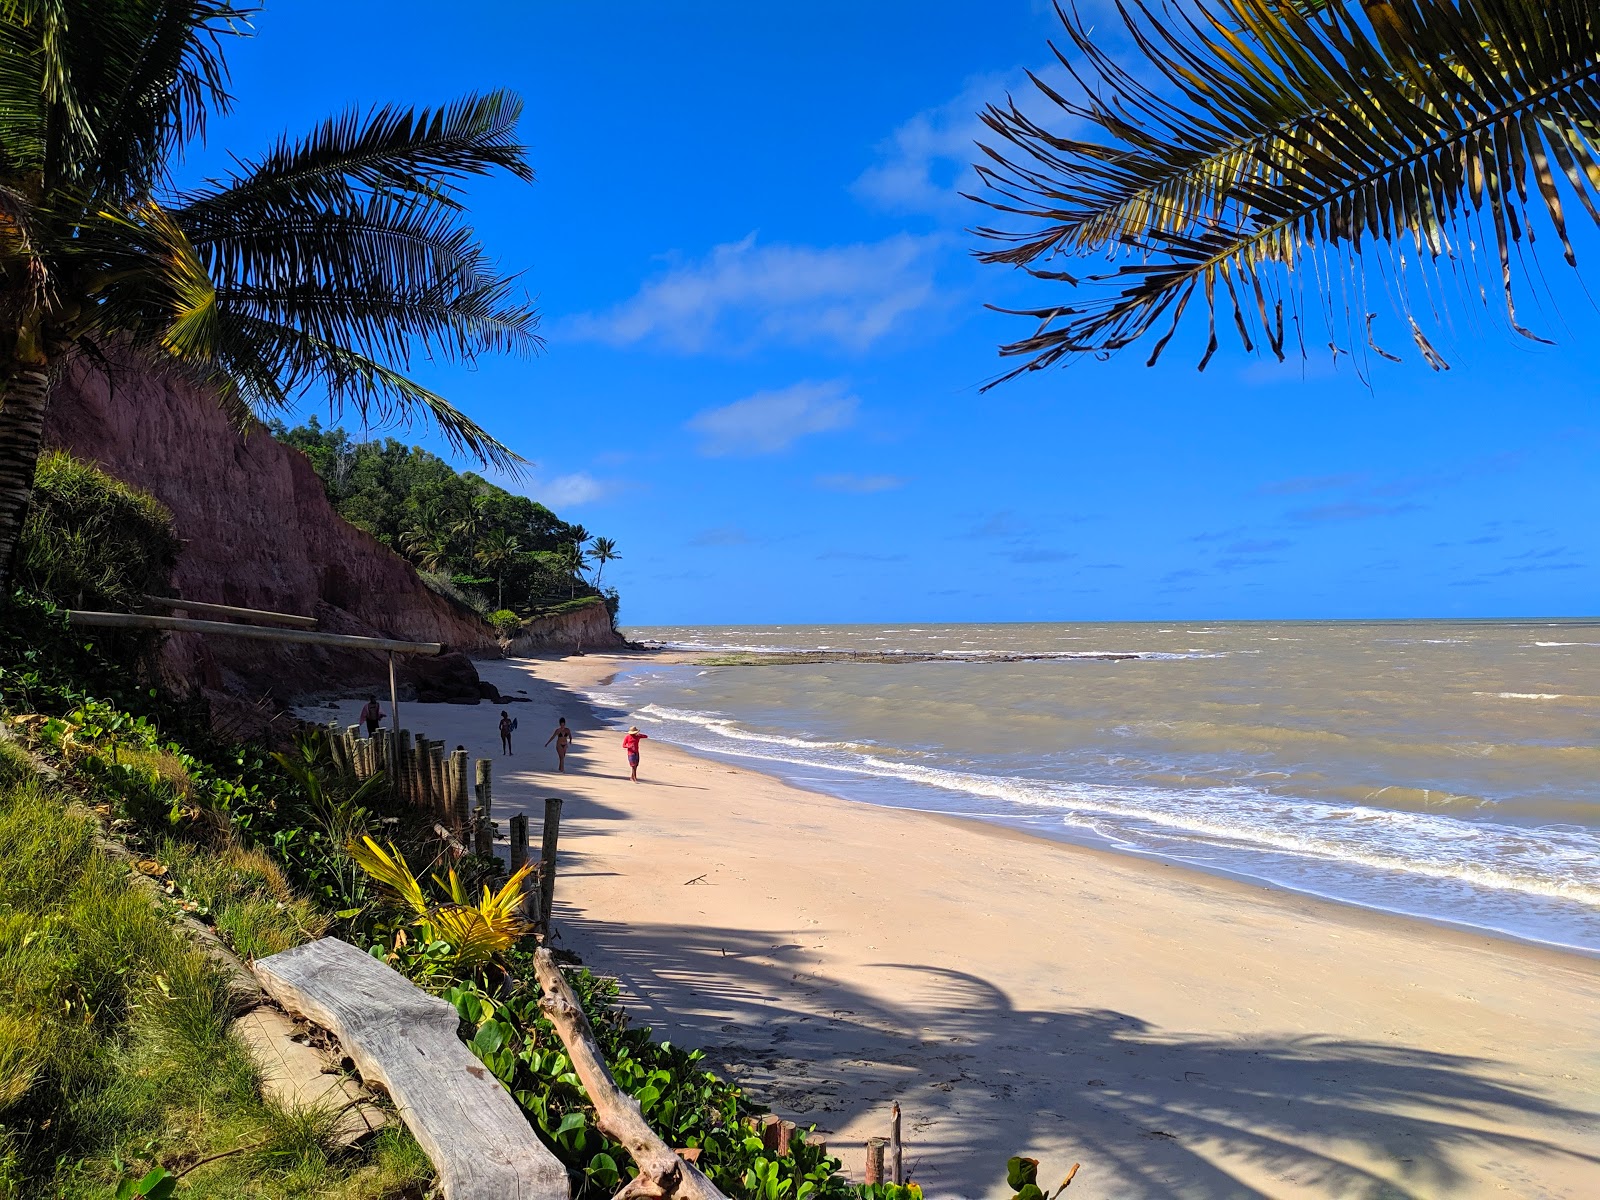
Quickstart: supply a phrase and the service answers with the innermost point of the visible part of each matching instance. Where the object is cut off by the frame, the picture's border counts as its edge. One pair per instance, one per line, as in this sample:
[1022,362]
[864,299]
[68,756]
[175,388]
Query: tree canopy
[487,540]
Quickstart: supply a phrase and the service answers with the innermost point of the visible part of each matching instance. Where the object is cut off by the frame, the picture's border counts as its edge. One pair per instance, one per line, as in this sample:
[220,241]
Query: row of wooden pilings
[424,775]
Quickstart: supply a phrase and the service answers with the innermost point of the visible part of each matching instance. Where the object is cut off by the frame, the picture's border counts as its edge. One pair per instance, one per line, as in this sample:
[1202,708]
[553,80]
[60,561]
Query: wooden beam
[662,1173]
[404,1040]
[306,637]
[259,615]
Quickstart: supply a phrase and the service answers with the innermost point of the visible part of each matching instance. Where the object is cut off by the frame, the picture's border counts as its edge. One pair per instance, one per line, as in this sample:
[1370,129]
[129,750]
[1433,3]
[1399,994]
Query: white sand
[1179,1035]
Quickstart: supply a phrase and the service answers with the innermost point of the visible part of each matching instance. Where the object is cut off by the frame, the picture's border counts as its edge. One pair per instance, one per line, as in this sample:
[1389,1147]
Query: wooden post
[352,749]
[336,750]
[380,751]
[519,854]
[897,1172]
[436,779]
[547,863]
[459,814]
[483,842]
[785,1137]
[769,1133]
[394,696]
[875,1160]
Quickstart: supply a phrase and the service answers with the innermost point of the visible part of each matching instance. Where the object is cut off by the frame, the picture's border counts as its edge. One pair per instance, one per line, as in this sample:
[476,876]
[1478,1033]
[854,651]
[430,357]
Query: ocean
[1442,769]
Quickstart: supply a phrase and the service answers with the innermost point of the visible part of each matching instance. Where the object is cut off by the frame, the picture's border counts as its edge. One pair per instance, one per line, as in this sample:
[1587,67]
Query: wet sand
[1180,1035]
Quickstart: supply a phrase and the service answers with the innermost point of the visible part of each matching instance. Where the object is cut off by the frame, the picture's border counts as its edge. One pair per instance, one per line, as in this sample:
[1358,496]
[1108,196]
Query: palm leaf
[1281,140]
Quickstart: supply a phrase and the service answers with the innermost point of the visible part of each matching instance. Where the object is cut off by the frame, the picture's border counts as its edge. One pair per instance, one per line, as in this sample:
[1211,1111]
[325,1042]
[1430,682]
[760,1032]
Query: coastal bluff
[257,531]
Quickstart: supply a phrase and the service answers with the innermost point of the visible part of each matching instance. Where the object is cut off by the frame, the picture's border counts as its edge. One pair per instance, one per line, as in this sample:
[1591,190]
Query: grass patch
[115,1052]
[245,894]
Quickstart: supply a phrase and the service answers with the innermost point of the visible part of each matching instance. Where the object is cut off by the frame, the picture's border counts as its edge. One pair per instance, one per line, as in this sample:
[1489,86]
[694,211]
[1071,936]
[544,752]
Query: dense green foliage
[509,553]
[682,1101]
[91,541]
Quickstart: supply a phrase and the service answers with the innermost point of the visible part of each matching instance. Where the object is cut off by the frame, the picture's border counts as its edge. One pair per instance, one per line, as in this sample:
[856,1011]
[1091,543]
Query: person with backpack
[507,725]
[371,715]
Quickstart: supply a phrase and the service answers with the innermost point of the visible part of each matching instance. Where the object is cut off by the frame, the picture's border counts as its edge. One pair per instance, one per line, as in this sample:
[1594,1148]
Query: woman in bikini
[562,737]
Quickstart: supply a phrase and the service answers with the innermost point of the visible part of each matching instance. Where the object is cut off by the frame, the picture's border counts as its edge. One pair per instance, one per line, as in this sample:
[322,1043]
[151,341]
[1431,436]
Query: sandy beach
[1178,1034]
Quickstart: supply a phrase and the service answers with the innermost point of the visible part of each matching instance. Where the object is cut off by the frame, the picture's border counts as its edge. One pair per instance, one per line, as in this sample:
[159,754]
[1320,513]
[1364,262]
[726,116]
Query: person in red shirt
[630,743]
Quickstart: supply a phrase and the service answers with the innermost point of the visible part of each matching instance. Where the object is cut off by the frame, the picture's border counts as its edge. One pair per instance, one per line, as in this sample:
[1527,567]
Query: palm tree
[428,548]
[574,561]
[603,551]
[470,519]
[326,262]
[497,551]
[1294,152]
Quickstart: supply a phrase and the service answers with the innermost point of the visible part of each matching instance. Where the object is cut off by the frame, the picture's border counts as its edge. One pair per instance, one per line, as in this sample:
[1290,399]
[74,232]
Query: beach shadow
[1150,1112]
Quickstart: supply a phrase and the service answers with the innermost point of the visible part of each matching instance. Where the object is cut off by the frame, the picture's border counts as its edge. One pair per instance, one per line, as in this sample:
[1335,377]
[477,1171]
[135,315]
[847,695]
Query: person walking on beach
[562,737]
[371,715]
[507,725]
[631,744]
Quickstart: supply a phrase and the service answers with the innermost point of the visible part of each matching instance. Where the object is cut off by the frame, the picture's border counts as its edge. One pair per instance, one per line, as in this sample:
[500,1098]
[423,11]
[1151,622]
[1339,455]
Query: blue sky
[766,338]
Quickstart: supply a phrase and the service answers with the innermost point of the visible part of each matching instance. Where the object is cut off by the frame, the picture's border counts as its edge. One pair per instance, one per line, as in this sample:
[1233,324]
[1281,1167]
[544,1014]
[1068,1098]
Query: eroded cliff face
[587,628]
[257,531]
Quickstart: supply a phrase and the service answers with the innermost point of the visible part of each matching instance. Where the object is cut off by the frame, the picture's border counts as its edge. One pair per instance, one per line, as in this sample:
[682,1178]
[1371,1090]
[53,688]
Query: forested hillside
[466,536]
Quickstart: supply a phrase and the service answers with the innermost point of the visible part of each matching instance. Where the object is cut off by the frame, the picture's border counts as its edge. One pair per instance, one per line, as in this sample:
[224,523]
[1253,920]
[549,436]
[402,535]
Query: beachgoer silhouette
[562,737]
[371,715]
[630,743]
[507,726]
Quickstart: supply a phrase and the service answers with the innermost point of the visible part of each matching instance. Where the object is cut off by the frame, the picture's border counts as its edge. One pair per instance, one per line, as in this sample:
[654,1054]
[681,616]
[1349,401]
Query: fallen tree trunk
[662,1173]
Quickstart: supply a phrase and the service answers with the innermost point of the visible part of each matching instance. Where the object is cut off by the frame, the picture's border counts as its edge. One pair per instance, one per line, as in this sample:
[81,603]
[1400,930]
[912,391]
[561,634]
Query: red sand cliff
[257,531]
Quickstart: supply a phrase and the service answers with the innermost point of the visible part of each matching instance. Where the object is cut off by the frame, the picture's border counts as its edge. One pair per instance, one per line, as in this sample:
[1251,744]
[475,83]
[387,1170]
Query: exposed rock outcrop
[586,628]
[258,531]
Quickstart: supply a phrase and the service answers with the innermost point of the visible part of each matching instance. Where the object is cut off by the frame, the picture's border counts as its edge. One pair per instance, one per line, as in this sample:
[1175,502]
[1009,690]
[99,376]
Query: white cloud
[926,163]
[743,294]
[861,483]
[768,422]
[565,491]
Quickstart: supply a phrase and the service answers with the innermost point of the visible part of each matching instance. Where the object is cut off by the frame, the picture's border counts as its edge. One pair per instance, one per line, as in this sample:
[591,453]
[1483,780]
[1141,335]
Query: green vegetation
[92,541]
[1256,150]
[328,261]
[499,551]
[114,1048]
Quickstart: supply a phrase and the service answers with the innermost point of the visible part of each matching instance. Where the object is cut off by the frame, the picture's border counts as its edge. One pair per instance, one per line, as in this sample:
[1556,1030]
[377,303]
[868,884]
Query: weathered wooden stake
[785,1137]
[769,1132]
[336,750]
[519,855]
[460,813]
[483,843]
[896,1167]
[441,802]
[875,1160]
[547,863]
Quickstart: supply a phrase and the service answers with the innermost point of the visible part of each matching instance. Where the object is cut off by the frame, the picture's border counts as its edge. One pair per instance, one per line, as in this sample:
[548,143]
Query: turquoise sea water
[1449,770]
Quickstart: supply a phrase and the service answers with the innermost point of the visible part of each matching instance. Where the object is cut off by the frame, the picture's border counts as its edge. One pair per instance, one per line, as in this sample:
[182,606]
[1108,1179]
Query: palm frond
[409,152]
[1278,140]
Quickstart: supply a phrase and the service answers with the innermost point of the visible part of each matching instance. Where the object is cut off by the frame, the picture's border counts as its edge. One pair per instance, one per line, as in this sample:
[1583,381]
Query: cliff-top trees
[326,262]
[1295,163]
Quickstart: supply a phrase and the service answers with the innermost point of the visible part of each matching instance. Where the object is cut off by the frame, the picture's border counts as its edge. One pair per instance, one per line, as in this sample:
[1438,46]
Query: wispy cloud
[570,491]
[1352,510]
[925,164]
[1258,546]
[768,422]
[1306,484]
[723,535]
[744,294]
[861,483]
[1038,554]
[853,556]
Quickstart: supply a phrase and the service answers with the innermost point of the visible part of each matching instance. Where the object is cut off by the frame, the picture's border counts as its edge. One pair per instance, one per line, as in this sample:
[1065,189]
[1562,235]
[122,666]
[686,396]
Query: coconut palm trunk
[22,406]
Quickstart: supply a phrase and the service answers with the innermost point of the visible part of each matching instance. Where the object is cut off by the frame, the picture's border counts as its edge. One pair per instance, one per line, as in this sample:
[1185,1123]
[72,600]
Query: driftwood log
[404,1040]
[662,1173]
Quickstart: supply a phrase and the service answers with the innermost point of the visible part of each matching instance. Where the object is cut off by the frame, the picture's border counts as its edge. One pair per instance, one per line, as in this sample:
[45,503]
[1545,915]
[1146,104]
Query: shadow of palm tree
[1150,1112]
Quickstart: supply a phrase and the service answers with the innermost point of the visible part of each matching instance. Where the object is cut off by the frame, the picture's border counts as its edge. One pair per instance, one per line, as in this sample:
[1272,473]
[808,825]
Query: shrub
[91,540]
[506,623]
